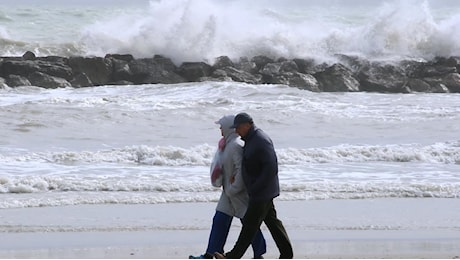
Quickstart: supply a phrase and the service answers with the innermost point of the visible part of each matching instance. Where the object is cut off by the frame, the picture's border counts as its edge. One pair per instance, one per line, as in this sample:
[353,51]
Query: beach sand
[366,228]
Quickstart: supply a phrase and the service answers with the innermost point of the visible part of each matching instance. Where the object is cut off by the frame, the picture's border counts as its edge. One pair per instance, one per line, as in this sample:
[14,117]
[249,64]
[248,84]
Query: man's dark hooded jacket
[260,166]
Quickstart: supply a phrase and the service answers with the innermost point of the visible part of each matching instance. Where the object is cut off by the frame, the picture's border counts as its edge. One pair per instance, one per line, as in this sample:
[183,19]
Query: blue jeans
[219,232]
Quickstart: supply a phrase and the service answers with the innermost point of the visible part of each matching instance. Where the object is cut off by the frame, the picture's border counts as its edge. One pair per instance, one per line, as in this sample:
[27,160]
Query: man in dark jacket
[260,175]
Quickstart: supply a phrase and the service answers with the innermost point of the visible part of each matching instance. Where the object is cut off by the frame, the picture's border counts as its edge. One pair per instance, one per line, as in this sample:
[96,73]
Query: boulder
[99,70]
[217,75]
[17,81]
[123,57]
[56,69]
[337,78]
[3,84]
[302,81]
[18,67]
[452,82]
[246,65]
[419,85]
[270,74]
[28,55]
[222,62]
[289,66]
[240,76]
[165,63]
[306,66]
[192,71]
[81,80]
[436,85]
[261,61]
[152,71]
[46,81]
[384,78]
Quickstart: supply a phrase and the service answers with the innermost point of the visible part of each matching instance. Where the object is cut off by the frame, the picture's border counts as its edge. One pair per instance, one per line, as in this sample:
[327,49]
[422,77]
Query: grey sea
[154,143]
[361,174]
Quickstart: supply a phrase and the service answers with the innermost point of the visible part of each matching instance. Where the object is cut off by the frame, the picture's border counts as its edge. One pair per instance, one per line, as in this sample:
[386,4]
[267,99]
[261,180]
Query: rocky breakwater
[347,74]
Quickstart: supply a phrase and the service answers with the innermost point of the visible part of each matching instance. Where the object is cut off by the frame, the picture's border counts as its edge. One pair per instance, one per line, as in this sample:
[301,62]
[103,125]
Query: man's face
[243,129]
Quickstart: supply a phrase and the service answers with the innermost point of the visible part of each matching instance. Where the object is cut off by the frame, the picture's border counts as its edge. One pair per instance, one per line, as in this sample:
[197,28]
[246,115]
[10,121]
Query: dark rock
[121,70]
[261,61]
[192,71]
[222,62]
[138,71]
[350,73]
[22,68]
[452,82]
[384,78]
[46,81]
[270,74]
[217,75]
[150,71]
[302,81]
[289,66]
[99,70]
[121,82]
[81,80]
[354,63]
[55,59]
[123,57]
[165,63]
[281,59]
[436,85]
[419,85]
[3,84]
[446,62]
[241,76]
[437,71]
[28,55]
[17,81]
[271,69]
[56,69]
[246,65]
[306,66]
[337,78]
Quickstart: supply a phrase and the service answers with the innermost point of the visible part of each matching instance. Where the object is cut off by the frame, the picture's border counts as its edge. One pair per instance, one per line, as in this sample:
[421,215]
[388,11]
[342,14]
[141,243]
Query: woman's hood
[226,122]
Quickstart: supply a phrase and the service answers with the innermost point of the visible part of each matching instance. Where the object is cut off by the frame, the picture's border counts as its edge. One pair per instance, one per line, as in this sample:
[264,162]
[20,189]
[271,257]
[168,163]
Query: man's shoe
[218,255]
[205,256]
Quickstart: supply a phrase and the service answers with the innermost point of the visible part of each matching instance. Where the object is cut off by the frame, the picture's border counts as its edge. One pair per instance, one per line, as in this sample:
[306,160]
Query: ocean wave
[437,153]
[201,155]
[187,30]
[209,29]
[310,191]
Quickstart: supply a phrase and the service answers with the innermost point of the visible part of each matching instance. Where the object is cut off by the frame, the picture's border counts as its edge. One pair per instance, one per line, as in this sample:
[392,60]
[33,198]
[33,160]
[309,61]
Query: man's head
[242,123]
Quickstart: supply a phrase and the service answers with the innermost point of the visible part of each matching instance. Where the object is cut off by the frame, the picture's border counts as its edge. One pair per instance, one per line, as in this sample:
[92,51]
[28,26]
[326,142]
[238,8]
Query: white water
[154,143]
[188,30]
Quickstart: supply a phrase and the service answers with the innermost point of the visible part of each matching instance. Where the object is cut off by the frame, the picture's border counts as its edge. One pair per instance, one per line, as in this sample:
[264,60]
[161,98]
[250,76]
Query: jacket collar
[250,133]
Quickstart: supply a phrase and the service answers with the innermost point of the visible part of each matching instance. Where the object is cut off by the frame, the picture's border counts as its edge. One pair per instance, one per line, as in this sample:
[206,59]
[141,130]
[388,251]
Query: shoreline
[369,228]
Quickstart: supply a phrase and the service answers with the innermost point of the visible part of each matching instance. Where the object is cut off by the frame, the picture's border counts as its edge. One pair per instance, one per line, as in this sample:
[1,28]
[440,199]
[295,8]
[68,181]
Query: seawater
[188,30]
[154,143]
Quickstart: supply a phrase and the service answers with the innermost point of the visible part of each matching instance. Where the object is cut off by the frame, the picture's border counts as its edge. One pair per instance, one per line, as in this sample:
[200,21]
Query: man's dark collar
[250,133]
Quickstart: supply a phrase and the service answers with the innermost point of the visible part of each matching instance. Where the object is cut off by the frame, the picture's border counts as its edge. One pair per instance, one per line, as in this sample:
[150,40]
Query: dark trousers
[257,213]
[219,232]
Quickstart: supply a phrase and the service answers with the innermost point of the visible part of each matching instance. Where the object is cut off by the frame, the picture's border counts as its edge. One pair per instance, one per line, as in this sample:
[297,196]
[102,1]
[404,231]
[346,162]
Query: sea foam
[203,30]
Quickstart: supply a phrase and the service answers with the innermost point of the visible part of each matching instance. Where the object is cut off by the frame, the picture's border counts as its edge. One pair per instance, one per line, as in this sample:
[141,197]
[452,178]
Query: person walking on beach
[260,175]
[234,197]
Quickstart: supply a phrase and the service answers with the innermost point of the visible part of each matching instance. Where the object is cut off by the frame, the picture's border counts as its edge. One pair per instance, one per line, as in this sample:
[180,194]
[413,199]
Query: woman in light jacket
[233,200]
